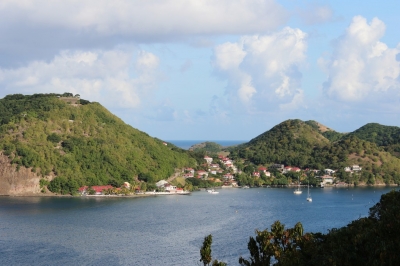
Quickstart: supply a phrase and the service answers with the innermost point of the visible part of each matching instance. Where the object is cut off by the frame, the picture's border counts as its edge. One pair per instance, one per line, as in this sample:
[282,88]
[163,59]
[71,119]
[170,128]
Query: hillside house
[229,176]
[99,190]
[326,179]
[208,159]
[256,174]
[202,174]
[279,167]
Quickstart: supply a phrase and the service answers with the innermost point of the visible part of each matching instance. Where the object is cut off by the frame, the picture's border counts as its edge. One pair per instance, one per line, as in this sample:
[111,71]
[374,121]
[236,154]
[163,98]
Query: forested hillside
[302,144]
[81,143]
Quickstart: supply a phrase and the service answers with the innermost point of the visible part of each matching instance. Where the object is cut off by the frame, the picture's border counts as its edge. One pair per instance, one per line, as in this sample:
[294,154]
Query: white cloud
[361,66]
[104,76]
[137,17]
[262,70]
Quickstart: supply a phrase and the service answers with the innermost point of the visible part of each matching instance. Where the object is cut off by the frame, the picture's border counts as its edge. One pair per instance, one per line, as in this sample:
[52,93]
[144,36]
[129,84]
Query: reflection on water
[165,230]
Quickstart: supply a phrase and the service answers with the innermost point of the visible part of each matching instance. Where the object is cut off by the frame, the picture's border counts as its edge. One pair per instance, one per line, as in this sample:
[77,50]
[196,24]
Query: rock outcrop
[14,183]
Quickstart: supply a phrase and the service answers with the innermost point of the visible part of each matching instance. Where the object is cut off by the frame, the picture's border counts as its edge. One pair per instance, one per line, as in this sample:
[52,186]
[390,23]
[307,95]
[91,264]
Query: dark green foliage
[379,134]
[373,240]
[61,185]
[96,147]
[205,253]
[53,137]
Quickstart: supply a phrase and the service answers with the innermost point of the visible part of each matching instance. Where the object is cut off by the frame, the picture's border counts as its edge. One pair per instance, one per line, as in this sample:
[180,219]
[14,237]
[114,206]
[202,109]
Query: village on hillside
[225,173]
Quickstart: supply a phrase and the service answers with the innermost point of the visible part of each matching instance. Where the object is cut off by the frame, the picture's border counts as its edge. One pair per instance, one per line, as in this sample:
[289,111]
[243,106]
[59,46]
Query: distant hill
[78,143]
[385,136]
[302,144]
[208,146]
[291,143]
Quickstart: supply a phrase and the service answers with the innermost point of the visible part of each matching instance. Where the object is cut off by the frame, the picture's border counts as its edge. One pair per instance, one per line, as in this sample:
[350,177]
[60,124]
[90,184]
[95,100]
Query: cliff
[13,182]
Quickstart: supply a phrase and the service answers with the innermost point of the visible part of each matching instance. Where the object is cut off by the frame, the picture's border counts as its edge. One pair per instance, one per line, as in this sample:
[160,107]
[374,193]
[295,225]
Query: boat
[212,191]
[297,190]
[309,199]
[246,187]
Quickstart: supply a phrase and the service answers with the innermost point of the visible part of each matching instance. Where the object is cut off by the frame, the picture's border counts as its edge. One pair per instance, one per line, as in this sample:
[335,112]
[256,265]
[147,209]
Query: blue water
[186,144]
[164,230]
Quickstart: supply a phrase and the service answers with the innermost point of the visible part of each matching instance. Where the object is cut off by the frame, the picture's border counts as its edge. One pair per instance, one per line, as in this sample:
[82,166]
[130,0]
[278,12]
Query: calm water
[163,230]
[186,144]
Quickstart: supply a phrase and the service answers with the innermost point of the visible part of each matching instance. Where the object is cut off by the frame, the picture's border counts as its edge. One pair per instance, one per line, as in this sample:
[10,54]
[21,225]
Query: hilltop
[66,142]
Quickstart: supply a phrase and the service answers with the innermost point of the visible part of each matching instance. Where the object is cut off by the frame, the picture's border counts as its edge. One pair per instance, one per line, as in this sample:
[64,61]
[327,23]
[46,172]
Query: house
[277,166]
[262,169]
[268,174]
[356,168]
[256,174]
[202,173]
[229,176]
[170,188]
[189,170]
[287,169]
[98,190]
[347,169]
[296,169]
[161,183]
[208,159]
[326,179]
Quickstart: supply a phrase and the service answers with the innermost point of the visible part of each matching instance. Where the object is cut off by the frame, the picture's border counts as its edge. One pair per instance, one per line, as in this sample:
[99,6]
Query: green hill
[81,143]
[297,143]
[385,136]
[291,143]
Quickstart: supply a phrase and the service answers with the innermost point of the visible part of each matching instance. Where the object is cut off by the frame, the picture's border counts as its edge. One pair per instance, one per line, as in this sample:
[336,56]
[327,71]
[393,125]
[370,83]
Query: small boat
[246,187]
[309,199]
[212,191]
[297,190]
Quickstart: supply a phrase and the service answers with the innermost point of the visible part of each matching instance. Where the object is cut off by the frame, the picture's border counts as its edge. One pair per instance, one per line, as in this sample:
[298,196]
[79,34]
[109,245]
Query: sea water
[164,230]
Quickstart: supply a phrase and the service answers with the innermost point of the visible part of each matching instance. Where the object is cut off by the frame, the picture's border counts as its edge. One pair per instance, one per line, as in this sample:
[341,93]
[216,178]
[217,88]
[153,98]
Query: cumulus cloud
[33,28]
[263,70]
[361,67]
[148,17]
[116,77]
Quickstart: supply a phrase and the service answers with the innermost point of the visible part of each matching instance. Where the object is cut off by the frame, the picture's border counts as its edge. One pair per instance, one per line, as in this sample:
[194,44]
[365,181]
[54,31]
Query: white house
[161,183]
[208,159]
[326,179]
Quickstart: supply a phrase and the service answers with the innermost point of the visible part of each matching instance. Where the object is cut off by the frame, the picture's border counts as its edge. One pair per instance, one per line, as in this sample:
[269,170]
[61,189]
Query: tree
[205,253]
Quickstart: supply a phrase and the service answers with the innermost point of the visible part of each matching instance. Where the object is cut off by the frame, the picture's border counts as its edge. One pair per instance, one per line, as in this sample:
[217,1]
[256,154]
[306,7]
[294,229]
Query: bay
[164,230]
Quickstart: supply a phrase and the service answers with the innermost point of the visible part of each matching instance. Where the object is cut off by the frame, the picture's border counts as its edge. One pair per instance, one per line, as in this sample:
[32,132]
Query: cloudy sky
[206,69]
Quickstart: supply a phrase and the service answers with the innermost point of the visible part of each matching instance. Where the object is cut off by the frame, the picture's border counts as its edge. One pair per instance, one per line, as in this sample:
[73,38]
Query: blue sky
[210,70]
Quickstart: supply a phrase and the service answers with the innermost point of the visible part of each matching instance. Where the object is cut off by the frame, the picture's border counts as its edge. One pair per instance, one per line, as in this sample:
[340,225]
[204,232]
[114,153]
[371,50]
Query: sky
[206,69]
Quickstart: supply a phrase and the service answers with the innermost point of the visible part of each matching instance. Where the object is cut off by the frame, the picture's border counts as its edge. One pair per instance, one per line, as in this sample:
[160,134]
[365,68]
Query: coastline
[154,194]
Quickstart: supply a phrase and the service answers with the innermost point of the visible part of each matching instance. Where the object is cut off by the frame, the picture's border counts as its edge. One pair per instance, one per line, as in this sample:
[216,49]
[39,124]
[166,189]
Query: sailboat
[297,190]
[308,193]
